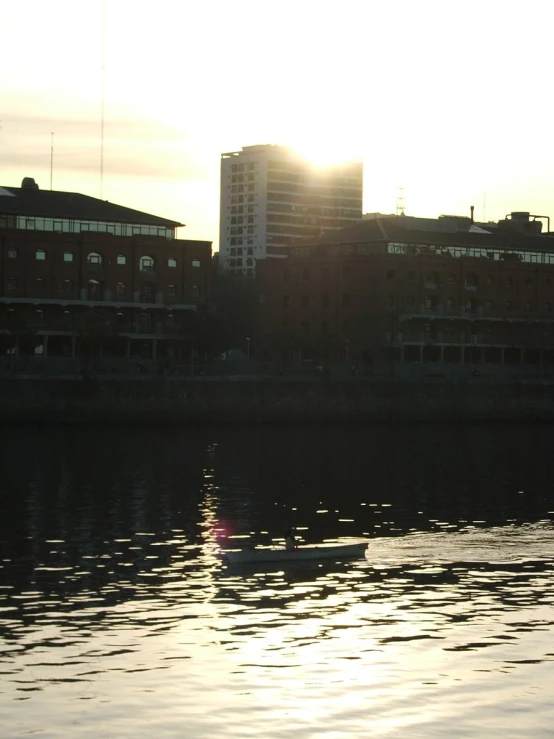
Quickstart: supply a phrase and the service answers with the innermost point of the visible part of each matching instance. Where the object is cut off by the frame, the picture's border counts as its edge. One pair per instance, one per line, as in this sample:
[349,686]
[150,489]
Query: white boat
[325,551]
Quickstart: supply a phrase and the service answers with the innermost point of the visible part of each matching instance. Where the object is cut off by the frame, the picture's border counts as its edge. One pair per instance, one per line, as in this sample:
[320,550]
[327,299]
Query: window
[195,291]
[528,282]
[12,283]
[471,304]
[346,299]
[410,275]
[93,290]
[451,278]
[67,286]
[509,305]
[391,274]
[390,301]
[94,259]
[431,278]
[12,253]
[490,280]
[450,304]
[547,307]
[286,301]
[146,264]
[196,264]
[170,319]
[305,301]
[286,275]
[471,280]
[147,292]
[120,289]
[509,283]
[121,260]
[40,255]
[171,291]
[528,307]
[172,262]
[430,303]
[40,284]
[548,282]
[145,321]
[489,305]
[410,302]
[39,315]
[68,256]
[120,319]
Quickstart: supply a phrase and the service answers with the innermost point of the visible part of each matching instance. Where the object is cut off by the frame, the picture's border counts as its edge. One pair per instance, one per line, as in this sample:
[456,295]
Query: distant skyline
[448,100]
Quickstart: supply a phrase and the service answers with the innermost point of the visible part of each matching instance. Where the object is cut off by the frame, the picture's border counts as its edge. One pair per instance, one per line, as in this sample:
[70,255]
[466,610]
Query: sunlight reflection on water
[117,615]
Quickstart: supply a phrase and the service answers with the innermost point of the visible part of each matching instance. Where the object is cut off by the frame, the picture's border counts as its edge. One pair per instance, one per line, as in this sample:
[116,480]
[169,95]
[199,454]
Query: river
[119,619]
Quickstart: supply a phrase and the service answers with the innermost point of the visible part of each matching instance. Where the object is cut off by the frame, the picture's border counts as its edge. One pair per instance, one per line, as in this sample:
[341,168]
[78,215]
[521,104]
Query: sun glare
[324,153]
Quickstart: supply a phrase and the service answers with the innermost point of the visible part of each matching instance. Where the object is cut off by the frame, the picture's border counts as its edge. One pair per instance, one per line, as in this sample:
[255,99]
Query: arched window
[450,304]
[67,286]
[431,278]
[170,319]
[145,321]
[172,262]
[94,259]
[40,255]
[120,289]
[68,256]
[12,283]
[93,290]
[171,291]
[471,304]
[528,307]
[431,303]
[121,260]
[39,315]
[120,318]
[146,264]
[471,280]
[41,284]
[147,292]
[195,291]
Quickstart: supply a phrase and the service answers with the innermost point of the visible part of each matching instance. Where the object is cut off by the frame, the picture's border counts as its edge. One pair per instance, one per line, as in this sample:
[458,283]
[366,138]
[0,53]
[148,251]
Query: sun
[323,151]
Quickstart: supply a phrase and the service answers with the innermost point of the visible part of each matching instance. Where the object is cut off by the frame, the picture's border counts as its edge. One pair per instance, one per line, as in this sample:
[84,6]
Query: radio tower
[400,206]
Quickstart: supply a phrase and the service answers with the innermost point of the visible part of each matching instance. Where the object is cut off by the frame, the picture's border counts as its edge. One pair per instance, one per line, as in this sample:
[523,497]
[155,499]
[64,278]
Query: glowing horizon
[415,92]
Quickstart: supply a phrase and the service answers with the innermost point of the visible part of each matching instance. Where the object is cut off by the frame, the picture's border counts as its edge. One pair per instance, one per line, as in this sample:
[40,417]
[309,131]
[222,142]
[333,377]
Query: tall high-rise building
[271,197]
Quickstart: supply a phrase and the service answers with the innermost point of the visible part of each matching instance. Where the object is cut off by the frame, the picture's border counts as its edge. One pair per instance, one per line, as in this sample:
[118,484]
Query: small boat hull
[329,551]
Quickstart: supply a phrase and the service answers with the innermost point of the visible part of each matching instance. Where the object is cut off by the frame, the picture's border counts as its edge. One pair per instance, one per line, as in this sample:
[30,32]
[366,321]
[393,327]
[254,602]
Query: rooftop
[32,202]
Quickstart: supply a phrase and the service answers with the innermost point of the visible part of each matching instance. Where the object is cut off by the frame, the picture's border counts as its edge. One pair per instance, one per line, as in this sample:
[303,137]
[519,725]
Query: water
[117,617]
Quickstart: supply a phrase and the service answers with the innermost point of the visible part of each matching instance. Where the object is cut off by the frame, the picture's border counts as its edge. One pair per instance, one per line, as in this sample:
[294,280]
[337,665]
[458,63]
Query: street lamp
[248,347]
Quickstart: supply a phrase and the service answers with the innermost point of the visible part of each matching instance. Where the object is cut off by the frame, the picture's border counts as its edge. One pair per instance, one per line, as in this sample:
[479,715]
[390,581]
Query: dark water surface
[118,619]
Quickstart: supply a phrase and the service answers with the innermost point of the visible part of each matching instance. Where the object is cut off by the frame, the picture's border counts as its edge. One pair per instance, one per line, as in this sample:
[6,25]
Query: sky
[449,101]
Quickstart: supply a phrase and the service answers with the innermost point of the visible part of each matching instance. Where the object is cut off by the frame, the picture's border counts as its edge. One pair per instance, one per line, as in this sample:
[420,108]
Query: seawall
[226,400]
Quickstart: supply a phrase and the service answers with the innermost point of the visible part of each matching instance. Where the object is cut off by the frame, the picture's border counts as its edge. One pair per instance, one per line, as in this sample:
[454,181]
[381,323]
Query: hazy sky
[447,99]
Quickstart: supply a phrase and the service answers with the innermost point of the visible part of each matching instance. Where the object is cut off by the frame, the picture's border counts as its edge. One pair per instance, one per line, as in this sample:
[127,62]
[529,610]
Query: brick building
[409,289]
[78,274]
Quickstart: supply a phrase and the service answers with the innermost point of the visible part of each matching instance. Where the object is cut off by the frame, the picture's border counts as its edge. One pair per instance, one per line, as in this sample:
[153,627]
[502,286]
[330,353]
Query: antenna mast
[102,95]
[51,157]
[400,205]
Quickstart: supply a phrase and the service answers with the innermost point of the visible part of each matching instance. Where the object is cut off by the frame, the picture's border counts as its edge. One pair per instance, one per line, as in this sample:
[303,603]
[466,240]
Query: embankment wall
[147,400]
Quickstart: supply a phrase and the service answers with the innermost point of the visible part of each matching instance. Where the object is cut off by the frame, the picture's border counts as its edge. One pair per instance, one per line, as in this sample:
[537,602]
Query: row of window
[430,303]
[239,240]
[148,289]
[239,262]
[146,263]
[65,225]
[238,252]
[251,166]
[122,319]
[431,278]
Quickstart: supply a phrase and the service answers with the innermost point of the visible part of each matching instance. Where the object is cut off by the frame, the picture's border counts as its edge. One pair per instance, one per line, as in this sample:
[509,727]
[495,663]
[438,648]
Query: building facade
[414,290]
[270,197]
[79,274]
